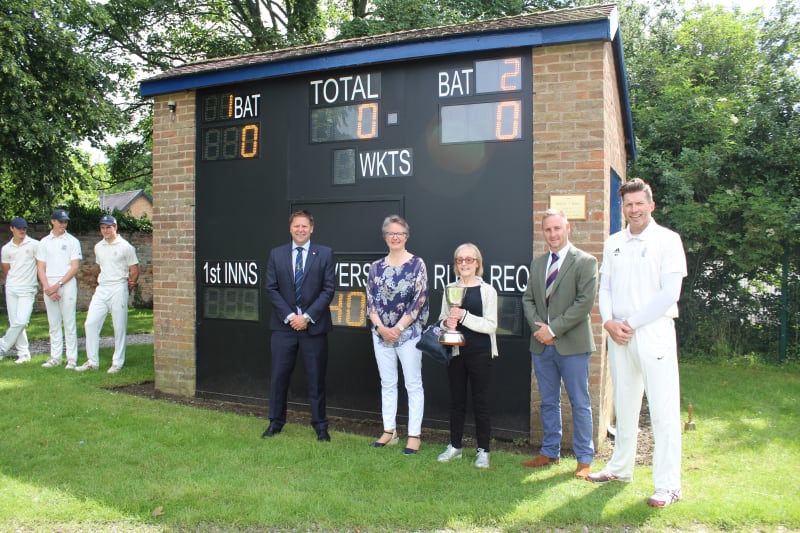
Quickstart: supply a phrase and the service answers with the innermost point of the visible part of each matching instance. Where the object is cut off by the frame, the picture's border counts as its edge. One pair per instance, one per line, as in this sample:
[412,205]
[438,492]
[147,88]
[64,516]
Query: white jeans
[19,302]
[411,361]
[113,299]
[649,363]
[61,313]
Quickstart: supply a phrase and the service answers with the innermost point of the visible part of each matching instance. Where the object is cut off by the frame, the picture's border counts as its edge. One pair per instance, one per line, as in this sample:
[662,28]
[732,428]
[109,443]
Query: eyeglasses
[466,260]
[398,235]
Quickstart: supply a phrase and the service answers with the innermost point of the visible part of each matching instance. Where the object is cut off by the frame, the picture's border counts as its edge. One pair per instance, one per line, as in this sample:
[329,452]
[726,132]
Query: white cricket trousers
[114,299]
[649,364]
[411,361]
[19,303]
[62,313]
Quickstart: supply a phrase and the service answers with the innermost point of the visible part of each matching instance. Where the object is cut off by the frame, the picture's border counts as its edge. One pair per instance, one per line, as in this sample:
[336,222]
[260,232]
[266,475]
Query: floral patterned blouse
[394,291]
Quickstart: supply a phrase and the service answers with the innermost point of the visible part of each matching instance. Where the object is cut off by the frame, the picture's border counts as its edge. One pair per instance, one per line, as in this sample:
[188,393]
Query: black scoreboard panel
[444,142]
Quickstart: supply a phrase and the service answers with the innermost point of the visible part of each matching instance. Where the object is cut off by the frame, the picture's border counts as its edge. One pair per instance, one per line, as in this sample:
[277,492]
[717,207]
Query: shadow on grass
[75,452]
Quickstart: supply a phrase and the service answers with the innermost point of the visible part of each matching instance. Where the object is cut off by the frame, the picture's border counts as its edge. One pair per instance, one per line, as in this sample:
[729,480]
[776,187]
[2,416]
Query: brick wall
[577,139]
[140,207]
[87,275]
[174,244]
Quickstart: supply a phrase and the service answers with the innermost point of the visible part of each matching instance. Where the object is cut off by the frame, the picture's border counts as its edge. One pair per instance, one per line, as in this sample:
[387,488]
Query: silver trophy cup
[452,337]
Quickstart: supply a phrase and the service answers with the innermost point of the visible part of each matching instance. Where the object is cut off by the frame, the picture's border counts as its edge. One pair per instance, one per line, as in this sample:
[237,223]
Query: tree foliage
[715,103]
[387,16]
[53,95]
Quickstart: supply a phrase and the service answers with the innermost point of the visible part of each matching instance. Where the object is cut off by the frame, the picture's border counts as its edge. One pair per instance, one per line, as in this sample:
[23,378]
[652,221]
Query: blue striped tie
[298,275]
[552,273]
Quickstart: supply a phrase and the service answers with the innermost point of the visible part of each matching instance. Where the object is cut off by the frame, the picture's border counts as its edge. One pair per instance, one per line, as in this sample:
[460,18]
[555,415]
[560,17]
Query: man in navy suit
[300,285]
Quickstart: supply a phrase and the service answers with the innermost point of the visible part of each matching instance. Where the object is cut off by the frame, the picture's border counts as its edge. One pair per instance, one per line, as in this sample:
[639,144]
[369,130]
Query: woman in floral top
[397,303]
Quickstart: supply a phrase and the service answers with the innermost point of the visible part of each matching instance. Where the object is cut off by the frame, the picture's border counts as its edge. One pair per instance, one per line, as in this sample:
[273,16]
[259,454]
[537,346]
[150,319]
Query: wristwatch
[400,327]
[307,318]
[60,283]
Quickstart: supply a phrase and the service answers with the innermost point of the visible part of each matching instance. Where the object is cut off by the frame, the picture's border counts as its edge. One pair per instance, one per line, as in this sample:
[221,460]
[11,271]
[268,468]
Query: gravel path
[43,347]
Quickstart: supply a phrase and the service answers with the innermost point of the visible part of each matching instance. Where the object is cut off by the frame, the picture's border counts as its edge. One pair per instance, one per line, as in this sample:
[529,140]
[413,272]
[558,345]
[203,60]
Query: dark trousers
[314,350]
[475,370]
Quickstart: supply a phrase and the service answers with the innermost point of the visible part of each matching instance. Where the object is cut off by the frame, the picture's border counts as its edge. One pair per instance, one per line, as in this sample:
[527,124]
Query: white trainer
[70,366]
[87,366]
[482,458]
[21,360]
[664,497]
[51,363]
[114,369]
[449,453]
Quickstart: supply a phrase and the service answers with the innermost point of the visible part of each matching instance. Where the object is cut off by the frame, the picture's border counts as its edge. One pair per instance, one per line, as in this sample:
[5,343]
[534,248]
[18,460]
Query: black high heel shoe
[412,451]
[391,442]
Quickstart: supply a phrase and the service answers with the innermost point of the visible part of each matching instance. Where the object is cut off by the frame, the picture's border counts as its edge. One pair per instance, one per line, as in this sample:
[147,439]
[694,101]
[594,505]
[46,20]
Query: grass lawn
[139,321]
[76,456]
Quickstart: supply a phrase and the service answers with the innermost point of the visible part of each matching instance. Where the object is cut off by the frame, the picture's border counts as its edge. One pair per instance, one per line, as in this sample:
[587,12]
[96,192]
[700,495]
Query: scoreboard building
[469,132]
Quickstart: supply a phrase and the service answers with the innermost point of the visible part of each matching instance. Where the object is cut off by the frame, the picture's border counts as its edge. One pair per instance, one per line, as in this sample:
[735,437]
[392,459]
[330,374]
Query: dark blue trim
[625,97]
[614,203]
[455,44]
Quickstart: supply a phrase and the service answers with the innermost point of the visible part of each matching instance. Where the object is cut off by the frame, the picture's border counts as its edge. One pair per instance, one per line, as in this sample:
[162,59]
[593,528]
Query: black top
[475,342]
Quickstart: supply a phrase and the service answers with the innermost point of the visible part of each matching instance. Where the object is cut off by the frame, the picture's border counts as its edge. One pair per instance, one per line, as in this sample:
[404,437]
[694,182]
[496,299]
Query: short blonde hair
[478,256]
[553,212]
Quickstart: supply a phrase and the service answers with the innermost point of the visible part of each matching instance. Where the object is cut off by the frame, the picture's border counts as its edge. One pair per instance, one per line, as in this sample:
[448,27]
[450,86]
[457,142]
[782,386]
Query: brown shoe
[539,461]
[583,470]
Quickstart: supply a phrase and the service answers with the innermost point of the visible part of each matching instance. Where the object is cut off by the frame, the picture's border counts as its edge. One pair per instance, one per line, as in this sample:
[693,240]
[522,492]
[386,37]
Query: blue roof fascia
[622,75]
[594,30]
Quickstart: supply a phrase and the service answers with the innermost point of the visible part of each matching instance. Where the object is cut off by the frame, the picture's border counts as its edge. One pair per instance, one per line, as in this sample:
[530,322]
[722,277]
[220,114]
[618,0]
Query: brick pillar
[174,243]
[577,140]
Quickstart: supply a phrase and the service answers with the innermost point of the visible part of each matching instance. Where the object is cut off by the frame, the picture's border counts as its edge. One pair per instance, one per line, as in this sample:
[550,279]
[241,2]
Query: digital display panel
[498,75]
[229,130]
[231,303]
[510,317]
[344,123]
[487,120]
[491,121]
[349,308]
[230,142]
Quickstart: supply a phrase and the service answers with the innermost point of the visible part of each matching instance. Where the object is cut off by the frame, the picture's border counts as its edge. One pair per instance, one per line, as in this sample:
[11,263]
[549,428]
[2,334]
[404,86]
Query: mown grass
[77,456]
[139,321]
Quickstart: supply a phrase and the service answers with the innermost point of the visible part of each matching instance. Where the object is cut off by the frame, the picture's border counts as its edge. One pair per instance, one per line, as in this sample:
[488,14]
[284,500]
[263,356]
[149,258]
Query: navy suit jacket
[316,292]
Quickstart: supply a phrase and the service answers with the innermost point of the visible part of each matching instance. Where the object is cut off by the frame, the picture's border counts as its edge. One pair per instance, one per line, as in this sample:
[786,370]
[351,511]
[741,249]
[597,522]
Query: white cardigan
[480,324]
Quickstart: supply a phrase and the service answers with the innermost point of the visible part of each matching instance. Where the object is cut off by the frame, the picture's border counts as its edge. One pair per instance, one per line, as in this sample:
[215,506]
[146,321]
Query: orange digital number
[230,106]
[500,124]
[360,310]
[372,123]
[350,311]
[337,308]
[508,79]
[249,145]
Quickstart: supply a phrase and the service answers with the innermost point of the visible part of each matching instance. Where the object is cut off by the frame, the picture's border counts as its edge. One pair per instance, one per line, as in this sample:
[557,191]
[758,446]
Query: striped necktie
[298,275]
[552,273]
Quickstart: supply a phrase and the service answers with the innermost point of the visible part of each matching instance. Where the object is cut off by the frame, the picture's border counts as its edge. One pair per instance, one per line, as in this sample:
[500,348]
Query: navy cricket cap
[108,220]
[18,222]
[60,215]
